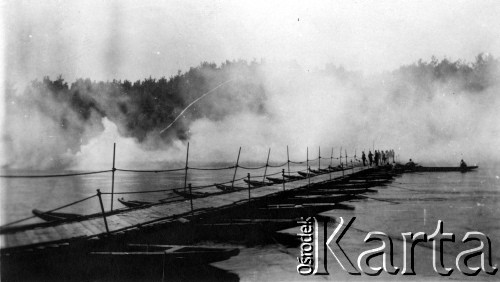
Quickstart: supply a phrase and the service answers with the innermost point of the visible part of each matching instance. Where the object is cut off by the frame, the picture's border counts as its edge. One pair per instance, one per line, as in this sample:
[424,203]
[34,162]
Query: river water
[412,203]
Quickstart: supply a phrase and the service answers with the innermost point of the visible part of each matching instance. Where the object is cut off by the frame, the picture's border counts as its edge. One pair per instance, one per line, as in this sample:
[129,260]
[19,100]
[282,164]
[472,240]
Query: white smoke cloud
[301,109]
[130,154]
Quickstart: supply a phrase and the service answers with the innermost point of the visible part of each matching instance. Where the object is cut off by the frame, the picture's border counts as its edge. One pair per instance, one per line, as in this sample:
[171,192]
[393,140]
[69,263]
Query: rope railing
[260,176]
[252,168]
[213,185]
[143,192]
[53,210]
[216,168]
[230,181]
[296,171]
[185,169]
[154,171]
[55,175]
[139,192]
[284,164]
[293,162]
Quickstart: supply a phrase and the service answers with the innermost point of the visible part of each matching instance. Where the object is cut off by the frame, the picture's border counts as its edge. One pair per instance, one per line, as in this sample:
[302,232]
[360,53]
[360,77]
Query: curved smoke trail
[192,103]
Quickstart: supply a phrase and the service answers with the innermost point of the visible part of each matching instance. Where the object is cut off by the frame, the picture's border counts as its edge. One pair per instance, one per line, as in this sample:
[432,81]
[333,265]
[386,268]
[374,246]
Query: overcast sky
[135,39]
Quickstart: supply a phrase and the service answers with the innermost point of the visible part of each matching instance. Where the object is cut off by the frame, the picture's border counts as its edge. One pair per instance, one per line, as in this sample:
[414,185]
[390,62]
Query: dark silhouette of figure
[377,157]
[383,157]
[370,157]
[463,164]
[363,157]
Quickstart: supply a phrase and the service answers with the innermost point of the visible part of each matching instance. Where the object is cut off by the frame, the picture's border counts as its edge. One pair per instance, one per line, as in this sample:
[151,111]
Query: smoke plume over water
[434,112]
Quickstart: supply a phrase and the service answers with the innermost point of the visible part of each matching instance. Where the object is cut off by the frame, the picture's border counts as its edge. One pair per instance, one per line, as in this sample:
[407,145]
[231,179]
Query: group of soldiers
[378,157]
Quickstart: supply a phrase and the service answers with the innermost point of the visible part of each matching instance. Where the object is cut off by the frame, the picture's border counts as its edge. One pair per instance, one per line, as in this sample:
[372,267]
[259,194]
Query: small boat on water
[306,174]
[228,188]
[335,168]
[133,203]
[294,177]
[165,254]
[276,180]
[444,168]
[315,171]
[256,183]
[193,195]
[52,216]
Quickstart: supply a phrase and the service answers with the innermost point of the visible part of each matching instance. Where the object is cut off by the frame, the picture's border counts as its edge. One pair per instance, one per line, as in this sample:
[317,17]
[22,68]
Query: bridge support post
[102,210]
[191,197]
[288,160]
[319,159]
[236,168]
[283,176]
[331,162]
[186,173]
[267,164]
[249,197]
[113,176]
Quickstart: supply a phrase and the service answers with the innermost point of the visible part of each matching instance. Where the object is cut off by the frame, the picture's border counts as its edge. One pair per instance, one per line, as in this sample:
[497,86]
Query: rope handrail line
[154,171]
[278,165]
[172,198]
[154,191]
[138,192]
[17,221]
[271,174]
[239,179]
[169,189]
[73,203]
[55,175]
[217,168]
[157,171]
[298,162]
[296,171]
[141,192]
[53,210]
[260,167]
[213,185]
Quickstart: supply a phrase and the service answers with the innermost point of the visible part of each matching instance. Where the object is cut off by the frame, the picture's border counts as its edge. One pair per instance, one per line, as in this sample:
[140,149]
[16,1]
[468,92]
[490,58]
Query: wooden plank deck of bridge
[128,219]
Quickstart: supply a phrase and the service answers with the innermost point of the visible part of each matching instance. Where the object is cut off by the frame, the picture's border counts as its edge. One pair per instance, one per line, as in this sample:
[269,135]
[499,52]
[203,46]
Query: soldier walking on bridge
[363,157]
[370,157]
